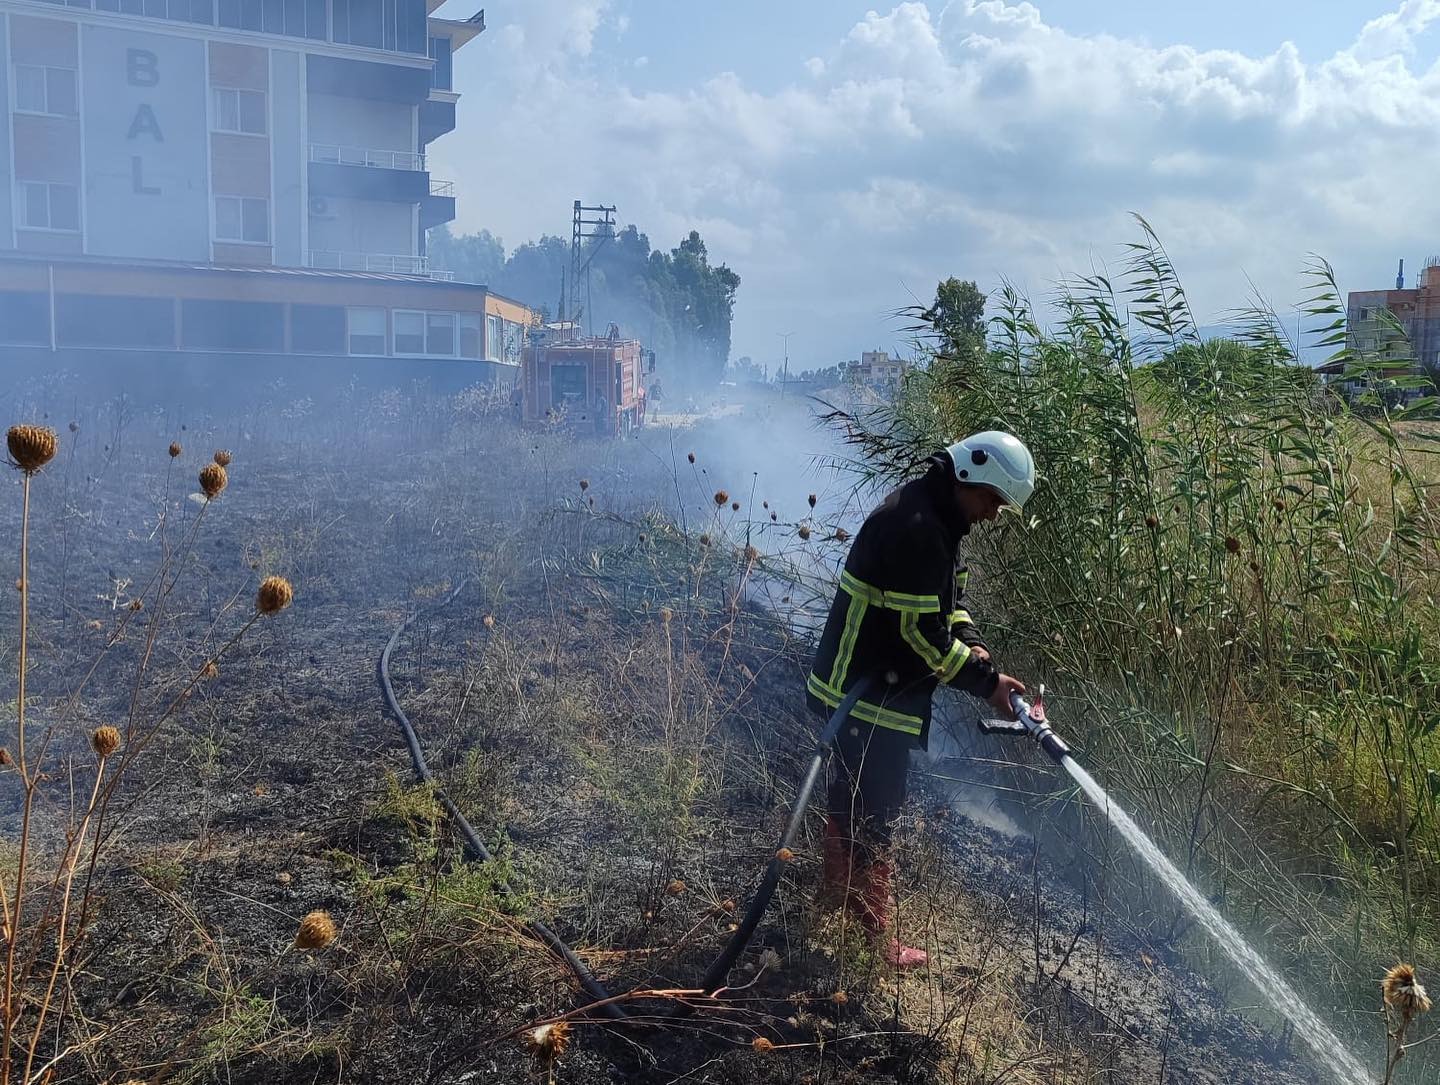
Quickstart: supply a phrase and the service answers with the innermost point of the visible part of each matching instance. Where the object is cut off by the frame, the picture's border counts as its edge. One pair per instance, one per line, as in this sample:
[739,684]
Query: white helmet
[998,460]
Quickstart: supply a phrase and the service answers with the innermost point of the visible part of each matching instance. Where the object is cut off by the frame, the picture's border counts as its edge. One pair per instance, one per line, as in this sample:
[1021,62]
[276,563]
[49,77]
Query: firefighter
[899,618]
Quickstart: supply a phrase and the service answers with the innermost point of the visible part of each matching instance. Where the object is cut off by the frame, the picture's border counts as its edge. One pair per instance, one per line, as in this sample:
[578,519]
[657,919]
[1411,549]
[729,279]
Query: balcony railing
[386,263]
[366,156]
[442,188]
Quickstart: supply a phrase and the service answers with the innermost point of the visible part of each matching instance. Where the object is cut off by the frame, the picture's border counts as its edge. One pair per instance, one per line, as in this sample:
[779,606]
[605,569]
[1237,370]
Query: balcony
[383,263]
[442,188]
[333,155]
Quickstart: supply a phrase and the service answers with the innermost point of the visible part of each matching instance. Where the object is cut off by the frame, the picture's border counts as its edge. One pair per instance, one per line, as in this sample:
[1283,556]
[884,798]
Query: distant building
[1417,310]
[245,176]
[879,373]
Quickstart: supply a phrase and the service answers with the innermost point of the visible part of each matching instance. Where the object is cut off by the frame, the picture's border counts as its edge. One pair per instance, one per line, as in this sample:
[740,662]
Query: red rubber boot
[872,908]
[836,869]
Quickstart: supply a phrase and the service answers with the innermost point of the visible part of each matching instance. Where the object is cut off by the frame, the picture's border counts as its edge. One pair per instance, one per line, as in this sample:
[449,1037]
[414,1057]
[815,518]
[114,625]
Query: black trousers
[867,783]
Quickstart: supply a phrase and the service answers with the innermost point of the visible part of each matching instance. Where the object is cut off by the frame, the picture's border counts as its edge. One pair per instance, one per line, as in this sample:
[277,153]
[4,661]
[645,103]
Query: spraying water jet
[1031,722]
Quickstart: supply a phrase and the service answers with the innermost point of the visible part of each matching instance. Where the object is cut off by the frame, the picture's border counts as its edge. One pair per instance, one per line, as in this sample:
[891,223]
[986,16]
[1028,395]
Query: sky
[842,158]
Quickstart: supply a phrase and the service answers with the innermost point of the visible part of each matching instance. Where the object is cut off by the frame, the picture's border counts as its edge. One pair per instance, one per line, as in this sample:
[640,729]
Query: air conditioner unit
[320,208]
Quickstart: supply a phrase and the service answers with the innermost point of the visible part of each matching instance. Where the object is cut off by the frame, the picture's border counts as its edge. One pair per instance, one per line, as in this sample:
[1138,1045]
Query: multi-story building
[1416,310]
[878,372]
[232,175]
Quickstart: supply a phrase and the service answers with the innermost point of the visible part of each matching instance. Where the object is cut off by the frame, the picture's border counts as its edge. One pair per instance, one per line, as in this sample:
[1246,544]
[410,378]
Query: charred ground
[625,727]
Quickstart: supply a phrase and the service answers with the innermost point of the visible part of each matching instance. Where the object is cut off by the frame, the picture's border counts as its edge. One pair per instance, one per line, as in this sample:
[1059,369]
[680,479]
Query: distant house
[1417,310]
[879,373]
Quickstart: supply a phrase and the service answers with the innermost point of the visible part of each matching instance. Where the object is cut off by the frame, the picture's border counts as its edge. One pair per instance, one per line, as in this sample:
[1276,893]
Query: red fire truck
[592,384]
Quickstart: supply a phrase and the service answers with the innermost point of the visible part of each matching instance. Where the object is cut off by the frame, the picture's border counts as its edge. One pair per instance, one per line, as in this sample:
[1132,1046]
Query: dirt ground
[620,721]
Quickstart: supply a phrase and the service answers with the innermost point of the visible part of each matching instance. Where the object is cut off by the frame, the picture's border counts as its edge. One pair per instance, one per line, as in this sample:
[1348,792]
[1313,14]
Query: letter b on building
[142,68]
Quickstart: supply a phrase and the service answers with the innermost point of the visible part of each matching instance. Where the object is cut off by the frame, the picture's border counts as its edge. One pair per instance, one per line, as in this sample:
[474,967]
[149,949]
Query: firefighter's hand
[1000,699]
[979,651]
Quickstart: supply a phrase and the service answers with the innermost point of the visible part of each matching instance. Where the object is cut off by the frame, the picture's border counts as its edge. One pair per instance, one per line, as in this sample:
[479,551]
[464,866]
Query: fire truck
[591,384]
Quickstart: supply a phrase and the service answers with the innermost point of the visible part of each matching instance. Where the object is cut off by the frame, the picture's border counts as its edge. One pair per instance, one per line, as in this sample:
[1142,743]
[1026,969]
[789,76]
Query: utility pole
[785,366]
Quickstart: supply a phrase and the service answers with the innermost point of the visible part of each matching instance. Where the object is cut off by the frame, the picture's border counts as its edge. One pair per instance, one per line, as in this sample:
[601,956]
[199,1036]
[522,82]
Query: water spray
[1031,722]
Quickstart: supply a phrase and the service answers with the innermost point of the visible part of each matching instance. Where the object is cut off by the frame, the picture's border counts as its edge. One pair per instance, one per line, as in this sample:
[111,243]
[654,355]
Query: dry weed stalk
[1405,1000]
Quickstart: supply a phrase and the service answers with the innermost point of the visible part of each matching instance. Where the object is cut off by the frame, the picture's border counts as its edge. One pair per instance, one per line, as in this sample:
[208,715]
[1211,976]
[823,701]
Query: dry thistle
[839,998]
[137,605]
[489,621]
[1404,993]
[105,740]
[210,670]
[1232,544]
[762,1045]
[841,535]
[213,480]
[584,485]
[666,614]
[734,506]
[773,516]
[1152,521]
[31,447]
[275,595]
[675,888]
[704,540]
[751,554]
[728,905]
[175,449]
[317,930]
[5,758]
[785,855]
[74,427]
[691,457]
[223,457]
[550,1041]
[721,497]
[811,499]
[764,504]
[803,532]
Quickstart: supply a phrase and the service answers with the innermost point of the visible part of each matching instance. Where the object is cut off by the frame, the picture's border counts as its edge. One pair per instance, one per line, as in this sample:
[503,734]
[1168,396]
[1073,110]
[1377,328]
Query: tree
[958,318]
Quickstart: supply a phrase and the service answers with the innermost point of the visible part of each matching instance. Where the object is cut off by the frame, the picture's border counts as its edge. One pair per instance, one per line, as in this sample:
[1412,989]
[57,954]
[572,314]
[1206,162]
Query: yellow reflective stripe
[866,710]
[910,630]
[962,578]
[892,600]
[961,616]
[954,660]
[846,649]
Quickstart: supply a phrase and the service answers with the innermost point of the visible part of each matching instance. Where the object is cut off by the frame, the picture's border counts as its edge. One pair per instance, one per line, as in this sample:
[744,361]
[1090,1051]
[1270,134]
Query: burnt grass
[622,726]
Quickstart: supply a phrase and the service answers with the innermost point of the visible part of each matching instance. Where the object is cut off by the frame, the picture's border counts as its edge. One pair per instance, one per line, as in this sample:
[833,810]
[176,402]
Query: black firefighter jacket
[899,613]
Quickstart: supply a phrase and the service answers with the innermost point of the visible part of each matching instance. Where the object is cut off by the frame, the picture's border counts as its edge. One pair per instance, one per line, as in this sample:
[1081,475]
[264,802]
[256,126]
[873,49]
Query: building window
[440,334]
[366,330]
[442,74]
[317,329]
[494,342]
[409,332]
[48,205]
[41,89]
[255,326]
[238,111]
[242,218]
[25,318]
[95,320]
[398,25]
[470,335]
[1364,313]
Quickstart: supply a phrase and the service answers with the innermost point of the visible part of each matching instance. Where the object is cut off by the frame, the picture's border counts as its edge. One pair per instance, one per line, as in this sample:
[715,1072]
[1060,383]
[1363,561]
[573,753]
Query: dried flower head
[584,485]
[213,480]
[803,532]
[785,855]
[284,878]
[704,540]
[751,554]
[5,758]
[675,888]
[839,998]
[811,499]
[1404,993]
[489,621]
[74,427]
[762,1045]
[105,740]
[275,595]
[223,457]
[137,605]
[317,930]
[841,535]
[666,614]
[549,1042]
[1232,544]
[1152,521]
[31,447]
[691,457]
[734,506]
[175,449]
[94,623]
[728,905]
[721,497]
[1279,505]
[210,670]
[764,504]
[773,516]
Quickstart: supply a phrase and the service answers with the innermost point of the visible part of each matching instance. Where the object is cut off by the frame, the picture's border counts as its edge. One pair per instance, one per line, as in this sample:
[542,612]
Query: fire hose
[1030,722]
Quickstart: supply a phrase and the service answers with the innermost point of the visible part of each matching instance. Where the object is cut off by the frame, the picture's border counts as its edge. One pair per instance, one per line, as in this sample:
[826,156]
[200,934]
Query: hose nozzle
[1032,719]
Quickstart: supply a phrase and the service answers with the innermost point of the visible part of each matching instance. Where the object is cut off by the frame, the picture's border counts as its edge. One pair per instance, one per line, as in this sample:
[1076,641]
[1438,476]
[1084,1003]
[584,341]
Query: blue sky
[843,157]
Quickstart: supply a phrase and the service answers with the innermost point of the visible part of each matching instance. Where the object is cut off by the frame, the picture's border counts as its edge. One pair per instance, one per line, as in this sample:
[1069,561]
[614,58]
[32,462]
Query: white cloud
[976,140]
